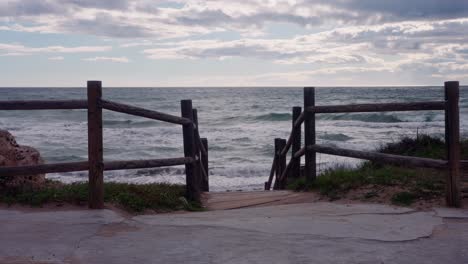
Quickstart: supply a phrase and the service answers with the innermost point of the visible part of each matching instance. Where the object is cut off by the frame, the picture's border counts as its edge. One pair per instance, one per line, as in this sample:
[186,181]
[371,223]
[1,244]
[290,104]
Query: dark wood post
[280,162]
[95,146]
[452,138]
[272,171]
[197,148]
[310,170]
[195,121]
[191,169]
[296,143]
[204,158]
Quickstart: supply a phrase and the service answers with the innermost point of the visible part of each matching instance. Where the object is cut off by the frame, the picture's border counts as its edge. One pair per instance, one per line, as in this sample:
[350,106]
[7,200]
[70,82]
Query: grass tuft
[161,197]
[423,146]
[404,198]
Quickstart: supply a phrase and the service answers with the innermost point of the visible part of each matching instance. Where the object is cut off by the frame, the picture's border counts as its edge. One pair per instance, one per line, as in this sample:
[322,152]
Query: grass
[404,198]
[414,184]
[136,198]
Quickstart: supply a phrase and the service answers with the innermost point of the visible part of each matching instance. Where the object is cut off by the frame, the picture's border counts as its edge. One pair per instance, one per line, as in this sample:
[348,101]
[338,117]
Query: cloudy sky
[233,43]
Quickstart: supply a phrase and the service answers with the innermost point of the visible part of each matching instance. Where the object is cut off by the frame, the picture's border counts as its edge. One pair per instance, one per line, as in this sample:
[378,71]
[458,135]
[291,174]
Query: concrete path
[296,233]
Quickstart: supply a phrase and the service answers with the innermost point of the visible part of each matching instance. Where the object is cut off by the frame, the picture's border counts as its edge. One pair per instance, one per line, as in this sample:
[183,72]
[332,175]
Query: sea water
[240,124]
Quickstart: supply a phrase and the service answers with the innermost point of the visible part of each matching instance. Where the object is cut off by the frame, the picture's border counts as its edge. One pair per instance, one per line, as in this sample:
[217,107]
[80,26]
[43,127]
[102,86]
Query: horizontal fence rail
[43,105]
[143,164]
[464,165]
[84,165]
[387,107]
[405,161]
[142,112]
[44,168]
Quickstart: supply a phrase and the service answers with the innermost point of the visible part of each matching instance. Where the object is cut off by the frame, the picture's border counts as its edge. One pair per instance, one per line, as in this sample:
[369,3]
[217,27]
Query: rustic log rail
[195,148]
[44,168]
[453,164]
[398,160]
[43,105]
[464,165]
[138,111]
[84,166]
[300,153]
[387,107]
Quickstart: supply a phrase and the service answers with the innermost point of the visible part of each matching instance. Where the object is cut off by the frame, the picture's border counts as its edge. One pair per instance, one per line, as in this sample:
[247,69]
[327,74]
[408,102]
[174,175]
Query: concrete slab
[49,236]
[370,221]
[301,233]
[451,212]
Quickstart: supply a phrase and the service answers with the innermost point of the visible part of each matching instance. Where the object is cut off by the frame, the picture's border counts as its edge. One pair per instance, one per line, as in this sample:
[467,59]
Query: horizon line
[254,86]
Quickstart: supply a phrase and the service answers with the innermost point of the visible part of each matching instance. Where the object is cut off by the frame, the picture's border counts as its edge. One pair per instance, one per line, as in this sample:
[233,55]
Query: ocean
[240,124]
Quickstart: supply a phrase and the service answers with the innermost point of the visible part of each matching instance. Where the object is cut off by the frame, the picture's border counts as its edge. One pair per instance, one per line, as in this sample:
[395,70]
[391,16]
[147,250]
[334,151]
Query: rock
[12,154]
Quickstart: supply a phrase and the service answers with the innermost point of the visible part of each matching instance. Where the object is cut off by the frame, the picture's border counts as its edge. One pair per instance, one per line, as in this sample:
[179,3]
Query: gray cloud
[29,8]
[408,9]
[218,17]
[132,18]
[105,25]
[102,4]
[342,11]
[205,18]
[15,8]
[404,36]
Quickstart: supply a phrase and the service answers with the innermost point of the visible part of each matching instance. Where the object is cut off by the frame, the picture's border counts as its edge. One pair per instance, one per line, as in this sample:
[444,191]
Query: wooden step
[234,200]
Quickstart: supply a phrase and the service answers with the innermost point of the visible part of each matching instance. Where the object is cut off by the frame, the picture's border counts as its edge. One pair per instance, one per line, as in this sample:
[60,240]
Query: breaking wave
[371,118]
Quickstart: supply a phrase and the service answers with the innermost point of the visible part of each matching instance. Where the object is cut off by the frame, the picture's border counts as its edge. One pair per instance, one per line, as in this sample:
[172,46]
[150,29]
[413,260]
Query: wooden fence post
[310,170]
[95,146]
[204,158]
[272,171]
[296,143]
[281,162]
[452,139]
[191,169]
[197,148]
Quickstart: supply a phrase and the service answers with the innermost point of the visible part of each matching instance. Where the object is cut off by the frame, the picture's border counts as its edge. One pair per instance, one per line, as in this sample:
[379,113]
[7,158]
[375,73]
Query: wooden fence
[195,156]
[281,171]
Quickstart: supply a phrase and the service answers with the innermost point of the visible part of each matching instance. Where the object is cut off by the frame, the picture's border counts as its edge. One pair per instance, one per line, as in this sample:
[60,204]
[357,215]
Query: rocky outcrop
[12,154]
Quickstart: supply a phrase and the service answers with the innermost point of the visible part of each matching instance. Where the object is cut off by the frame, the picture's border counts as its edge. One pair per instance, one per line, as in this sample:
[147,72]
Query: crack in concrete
[383,213]
[72,255]
[323,237]
[253,205]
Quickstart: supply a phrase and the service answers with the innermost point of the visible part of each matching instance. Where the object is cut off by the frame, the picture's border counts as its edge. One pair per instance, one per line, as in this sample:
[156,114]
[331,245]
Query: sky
[133,43]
